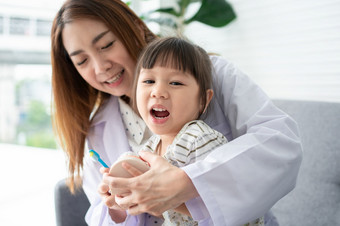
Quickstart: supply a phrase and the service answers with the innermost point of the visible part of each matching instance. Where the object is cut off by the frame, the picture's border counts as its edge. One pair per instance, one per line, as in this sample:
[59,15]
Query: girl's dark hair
[180,54]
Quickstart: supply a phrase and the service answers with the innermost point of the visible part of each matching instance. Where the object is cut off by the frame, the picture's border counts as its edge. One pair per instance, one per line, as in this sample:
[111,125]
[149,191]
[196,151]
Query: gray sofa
[316,198]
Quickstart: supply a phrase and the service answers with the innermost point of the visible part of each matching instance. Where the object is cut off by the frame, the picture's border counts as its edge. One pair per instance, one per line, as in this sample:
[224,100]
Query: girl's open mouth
[159,113]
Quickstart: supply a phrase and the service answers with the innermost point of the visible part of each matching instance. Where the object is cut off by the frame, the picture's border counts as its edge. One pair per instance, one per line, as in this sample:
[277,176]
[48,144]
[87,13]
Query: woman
[95,44]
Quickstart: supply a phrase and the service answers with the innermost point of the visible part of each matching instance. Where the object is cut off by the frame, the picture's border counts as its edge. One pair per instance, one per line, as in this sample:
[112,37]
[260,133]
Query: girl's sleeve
[241,180]
[194,143]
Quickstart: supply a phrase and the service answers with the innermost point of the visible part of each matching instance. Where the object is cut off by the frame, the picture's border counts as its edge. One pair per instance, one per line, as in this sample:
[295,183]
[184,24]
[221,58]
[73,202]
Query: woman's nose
[159,91]
[101,65]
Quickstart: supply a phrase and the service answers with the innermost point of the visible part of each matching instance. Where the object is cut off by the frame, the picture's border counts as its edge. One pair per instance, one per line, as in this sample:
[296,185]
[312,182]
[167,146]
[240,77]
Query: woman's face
[99,56]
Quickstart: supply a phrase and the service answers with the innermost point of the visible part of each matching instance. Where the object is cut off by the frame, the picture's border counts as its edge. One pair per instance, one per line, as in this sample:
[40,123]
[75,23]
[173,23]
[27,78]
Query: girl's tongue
[160,114]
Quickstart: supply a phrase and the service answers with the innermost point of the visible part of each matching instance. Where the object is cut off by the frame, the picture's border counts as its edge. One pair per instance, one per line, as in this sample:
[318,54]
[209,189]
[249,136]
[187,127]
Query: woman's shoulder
[222,68]
[218,60]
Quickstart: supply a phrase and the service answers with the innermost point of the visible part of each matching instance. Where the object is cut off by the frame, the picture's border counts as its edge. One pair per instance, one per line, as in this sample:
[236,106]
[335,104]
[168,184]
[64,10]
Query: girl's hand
[105,193]
[117,213]
[161,188]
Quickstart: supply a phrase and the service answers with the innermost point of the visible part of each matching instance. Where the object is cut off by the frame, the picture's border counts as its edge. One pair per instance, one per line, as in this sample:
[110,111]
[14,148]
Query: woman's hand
[161,188]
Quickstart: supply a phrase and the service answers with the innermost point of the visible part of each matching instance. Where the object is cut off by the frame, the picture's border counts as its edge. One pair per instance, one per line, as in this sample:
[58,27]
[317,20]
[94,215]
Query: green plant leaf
[170,11]
[183,5]
[215,13]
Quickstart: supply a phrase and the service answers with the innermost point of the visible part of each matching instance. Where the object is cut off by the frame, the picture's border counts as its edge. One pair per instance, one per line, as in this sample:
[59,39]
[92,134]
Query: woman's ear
[209,95]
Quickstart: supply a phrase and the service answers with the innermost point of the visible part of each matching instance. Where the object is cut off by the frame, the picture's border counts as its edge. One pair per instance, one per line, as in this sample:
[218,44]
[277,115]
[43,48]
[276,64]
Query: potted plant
[215,13]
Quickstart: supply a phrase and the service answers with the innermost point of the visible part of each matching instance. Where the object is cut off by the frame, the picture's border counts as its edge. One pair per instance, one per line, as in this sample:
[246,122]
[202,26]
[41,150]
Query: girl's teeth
[158,109]
[160,113]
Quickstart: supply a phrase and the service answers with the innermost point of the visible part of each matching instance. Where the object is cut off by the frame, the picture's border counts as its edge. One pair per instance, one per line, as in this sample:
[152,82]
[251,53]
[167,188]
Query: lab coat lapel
[114,137]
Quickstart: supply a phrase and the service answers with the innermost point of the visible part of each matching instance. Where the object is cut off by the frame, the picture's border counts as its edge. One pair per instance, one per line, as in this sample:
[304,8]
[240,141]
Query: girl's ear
[209,95]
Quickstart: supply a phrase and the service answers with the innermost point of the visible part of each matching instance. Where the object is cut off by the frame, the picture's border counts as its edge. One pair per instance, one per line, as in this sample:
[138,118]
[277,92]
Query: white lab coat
[239,181]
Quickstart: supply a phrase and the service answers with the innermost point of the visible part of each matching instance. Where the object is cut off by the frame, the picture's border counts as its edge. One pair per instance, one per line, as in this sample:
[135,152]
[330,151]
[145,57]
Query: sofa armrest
[316,198]
[70,209]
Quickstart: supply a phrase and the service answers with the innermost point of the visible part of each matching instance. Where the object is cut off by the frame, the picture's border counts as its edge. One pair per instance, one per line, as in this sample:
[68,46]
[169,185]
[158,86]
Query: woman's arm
[243,179]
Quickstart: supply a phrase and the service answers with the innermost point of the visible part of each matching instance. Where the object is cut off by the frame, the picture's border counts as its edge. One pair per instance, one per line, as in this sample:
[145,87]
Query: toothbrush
[96,156]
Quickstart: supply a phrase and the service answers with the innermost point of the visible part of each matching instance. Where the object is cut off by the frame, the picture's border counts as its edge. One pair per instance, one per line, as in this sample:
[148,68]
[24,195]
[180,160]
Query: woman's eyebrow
[94,41]
[98,37]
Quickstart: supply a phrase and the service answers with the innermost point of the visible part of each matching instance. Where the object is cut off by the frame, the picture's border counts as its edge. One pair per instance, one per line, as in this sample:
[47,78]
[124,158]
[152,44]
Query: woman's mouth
[115,78]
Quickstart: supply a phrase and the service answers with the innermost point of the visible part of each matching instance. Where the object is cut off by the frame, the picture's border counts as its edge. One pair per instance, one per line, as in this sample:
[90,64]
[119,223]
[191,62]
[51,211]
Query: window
[43,27]
[19,26]
[1,24]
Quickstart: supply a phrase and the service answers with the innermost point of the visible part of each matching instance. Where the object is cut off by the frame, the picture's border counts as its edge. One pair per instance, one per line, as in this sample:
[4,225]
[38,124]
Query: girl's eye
[176,83]
[108,45]
[81,62]
[149,81]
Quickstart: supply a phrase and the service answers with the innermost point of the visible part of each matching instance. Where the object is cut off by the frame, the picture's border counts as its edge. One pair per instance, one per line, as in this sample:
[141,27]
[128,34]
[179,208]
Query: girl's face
[99,56]
[167,99]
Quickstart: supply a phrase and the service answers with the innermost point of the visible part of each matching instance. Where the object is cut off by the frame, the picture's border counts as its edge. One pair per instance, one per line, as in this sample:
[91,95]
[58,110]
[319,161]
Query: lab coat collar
[101,115]
[113,138]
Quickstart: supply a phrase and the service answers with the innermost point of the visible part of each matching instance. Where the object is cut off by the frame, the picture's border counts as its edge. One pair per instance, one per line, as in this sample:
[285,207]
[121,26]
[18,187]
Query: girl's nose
[159,91]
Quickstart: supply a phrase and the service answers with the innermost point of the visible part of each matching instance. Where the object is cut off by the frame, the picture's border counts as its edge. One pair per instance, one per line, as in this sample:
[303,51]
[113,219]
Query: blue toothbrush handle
[103,163]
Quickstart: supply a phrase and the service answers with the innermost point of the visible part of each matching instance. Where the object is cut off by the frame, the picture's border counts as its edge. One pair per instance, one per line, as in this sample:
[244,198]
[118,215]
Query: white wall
[291,48]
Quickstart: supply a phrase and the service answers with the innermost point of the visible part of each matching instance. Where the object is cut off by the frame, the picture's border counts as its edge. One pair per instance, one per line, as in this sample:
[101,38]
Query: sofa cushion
[316,198]
[70,209]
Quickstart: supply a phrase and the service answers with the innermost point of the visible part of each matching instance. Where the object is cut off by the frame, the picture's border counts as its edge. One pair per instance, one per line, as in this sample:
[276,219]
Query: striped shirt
[194,142]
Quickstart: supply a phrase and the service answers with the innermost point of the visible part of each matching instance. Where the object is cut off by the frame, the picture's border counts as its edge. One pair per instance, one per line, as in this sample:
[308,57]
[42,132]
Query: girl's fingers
[103,189]
[135,210]
[124,202]
[111,203]
[104,170]
[117,185]
[131,170]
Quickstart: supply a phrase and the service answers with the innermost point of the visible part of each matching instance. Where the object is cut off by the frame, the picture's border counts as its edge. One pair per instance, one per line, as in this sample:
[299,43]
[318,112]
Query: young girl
[173,90]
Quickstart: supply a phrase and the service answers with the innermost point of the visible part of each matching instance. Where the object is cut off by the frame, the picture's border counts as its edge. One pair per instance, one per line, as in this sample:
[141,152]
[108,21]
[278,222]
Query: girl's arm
[183,209]
[105,123]
[99,212]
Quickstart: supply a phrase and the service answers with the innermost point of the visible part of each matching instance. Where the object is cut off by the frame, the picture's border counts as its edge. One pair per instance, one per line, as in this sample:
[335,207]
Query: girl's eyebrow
[94,41]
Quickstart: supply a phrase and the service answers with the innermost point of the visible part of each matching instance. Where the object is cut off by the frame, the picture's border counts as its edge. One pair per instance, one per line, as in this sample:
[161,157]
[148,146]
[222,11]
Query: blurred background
[291,48]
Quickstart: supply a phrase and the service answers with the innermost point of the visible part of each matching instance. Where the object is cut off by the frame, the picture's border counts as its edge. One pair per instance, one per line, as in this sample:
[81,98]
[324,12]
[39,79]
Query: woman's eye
[176,83]
[108,45]
[81,62]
